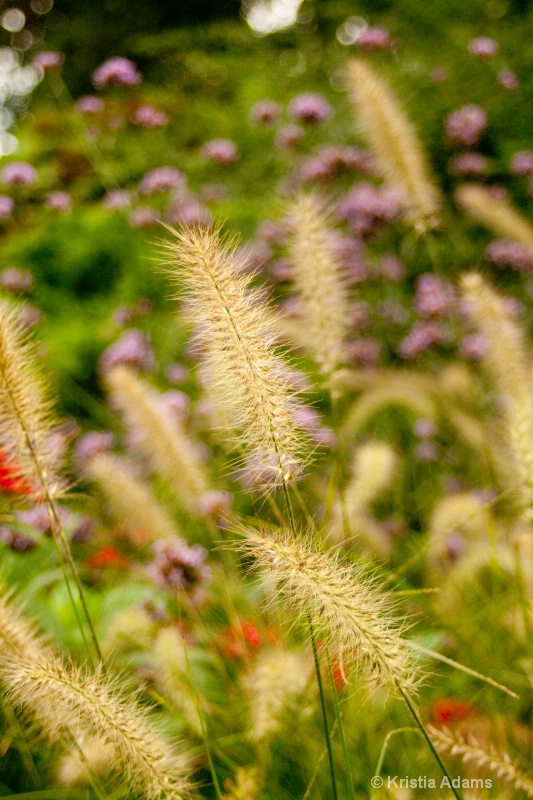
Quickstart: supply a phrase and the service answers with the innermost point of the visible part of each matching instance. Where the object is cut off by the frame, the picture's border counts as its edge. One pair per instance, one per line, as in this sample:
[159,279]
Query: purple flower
[142,217]
[424,428]
[470,165]
[421,337]
[426,451]
[265,112]
[466,125]
[116,198]
[508,80]
[39,517]
[508,253]
[91,444]
[178,566]
[483,47]
[433,297]
[132,348]
[522,163]
[331,161]
[392,312]
[272,231]
[351,252]
[253,255]
[16,540]
[7,205]
[48,59]
[189,211]
[88,104]
[439,74]
[161,179]
[374,38]
[288,136]
[310,107]
[474,346]
[175,402]
[19,172]
[117,71]
[59,201]
[213,193]
[366,206]
[223,151]
[364,352]
[149,117]
[215,505]
[16,280]
[176,373]
[392,268]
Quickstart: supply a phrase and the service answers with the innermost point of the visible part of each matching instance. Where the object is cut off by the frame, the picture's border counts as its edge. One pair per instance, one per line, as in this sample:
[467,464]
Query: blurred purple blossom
[424,428]
[439,74]
[215,505]
[91,444]
[7,204]
[213,193]
[132,348]
[365,352]
[470,165]
[16,540]
[116,198]
[142,217]
[146,116]
[178,566]
[176,373]
[117,71]
[522,163]
[360,315]
[19,172]
[58,201]
[508,80]
[265,112]
[161,179]
[434,297]
[391,268]
[48,59]
[16,280]
[89,104]
[310,107]
[426,451]
[223,151]
[350,250]
[189,211]
[421,337]
[508,253]
[366,205]
[466,125]
[332,160]
[474,346]
[288,136]
[391,311]
[374,37]
[483,46]
[175,402]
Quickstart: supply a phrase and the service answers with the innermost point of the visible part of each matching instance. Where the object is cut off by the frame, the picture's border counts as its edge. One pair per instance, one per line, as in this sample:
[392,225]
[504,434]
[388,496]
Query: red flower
[447,710]
[107,557]
[11,479]
[239,640]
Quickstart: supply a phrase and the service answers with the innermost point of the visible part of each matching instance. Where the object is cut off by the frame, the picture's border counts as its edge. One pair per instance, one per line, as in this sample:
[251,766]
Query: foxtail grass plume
[26,416]
[161,439]
[488,758]
[236,332]
[273,687]
[130,499]
[320,282]
[496,214]
[342,601]
[246,785]
[170,673]
[18,636]
[393,140]
[91,756]
[462,514]
[55,696]
[508,366]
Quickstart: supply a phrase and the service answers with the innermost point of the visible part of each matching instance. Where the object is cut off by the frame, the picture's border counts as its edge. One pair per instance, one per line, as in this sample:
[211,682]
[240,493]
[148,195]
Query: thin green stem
[381,759]
[338,719]
[323,706]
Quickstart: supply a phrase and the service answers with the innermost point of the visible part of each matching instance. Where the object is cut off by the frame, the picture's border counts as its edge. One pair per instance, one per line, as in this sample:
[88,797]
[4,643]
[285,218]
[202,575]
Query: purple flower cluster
[469,165]
[374,37]
[215,505]
[366,206]
[142,217]
[49,59]
[91,444]
[433,296]
[483,46]
[58,201]
[465,126]
[473,346]
[89,104]
[20,173]
[508,253]
[265,112]
[522,163]
[161,179]
[7,204]
[146,116]
[189,211]
[116,199]
[310,107]
[16,280]
[331,161]
[421,337]
[223,151]
[132,348]
[508,80]
[289,136]
[364,352]
[117,71]
[178,566]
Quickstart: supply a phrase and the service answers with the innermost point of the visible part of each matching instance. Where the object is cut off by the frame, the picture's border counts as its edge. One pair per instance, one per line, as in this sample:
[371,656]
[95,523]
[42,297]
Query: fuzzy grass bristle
[343,602]
[26,416]
[320,282]
[160,438]
[393,140]
[496,214]
[235,328]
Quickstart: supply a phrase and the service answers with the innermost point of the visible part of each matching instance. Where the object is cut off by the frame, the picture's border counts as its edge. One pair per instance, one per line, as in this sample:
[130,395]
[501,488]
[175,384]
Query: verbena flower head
[374,37]
[117,71]
[19,173]
[508,80]
[465,126]
[49,59]
[265,112]
[310,107]
[58,201]
[146,116]
[483,46]
[7,204]
[522,163]
[470,165]
[162,179]
[223,151]
[132,348]
[178,566]
[508,253]
[89,105]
